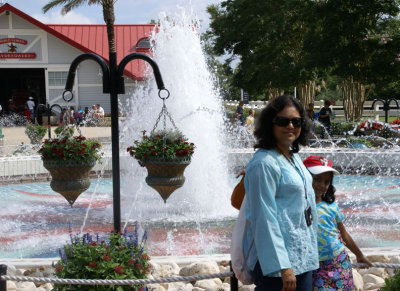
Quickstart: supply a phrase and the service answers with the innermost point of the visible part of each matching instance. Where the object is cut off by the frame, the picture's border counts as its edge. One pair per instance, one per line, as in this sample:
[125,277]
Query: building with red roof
[35,59]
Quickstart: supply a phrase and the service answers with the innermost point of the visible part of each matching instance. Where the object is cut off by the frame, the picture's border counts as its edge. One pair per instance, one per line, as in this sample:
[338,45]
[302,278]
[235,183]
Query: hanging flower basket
[69,160]
[35,133]
[165,154]
[69,178]
[165,176]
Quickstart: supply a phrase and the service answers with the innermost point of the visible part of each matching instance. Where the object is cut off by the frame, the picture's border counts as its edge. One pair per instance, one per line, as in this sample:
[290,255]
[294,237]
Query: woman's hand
[288,280]
[362,259]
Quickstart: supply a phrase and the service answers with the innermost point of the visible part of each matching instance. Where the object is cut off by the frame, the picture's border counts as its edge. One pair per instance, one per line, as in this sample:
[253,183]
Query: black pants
[265,283]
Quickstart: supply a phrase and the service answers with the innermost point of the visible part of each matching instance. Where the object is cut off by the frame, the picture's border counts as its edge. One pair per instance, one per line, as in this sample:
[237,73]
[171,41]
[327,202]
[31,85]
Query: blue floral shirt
[329,244]
[277,235]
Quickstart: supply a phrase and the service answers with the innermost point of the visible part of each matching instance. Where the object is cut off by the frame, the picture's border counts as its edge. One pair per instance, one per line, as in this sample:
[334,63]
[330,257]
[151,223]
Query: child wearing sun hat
[335,271]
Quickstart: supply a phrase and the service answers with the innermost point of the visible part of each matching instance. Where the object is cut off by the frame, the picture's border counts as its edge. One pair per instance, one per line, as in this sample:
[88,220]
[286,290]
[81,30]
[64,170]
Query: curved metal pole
[48,113]
[386,106]
[97,59]
[383,102]
[137,56]
[113,83]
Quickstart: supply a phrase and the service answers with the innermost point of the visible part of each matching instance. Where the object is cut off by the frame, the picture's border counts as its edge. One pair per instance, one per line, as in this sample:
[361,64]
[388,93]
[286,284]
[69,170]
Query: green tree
[223,72]
[268,37]
[339,42]
[108,14]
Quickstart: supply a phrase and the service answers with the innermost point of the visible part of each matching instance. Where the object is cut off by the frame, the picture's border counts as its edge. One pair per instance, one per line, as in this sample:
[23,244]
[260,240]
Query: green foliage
[342,128]
[34,131]
[393,283]
[118,256]
[223,73]
[64,131]
[284,43]
[268,37]
[165,144]
[76,148]
[352,139]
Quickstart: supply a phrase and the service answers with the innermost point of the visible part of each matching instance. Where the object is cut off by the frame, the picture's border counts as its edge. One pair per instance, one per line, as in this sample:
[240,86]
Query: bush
[354,140]
[34,131]
[392,284]
[342,128]
[119,256]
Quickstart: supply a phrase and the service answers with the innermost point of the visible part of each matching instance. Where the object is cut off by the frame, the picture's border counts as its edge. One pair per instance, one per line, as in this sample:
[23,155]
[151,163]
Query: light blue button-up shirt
[275,202]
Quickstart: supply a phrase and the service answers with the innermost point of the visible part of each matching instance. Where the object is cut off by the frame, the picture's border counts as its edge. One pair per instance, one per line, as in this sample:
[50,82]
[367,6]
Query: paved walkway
[14,136]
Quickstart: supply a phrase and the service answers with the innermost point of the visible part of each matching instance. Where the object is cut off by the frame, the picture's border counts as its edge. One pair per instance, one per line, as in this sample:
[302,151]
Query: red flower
[93,243]
[131,262]
[106,247]
[145,257]
[59,268]
[93,264]
[119,269]
[106,258]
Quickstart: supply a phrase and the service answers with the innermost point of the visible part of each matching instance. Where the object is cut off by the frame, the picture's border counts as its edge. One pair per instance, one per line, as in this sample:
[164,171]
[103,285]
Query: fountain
[197,218]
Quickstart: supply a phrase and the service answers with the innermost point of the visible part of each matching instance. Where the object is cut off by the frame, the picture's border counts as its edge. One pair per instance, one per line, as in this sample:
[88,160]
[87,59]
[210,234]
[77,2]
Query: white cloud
[55,17]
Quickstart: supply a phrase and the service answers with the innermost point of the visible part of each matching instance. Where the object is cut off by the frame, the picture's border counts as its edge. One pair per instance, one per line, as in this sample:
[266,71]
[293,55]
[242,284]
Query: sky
[126,11]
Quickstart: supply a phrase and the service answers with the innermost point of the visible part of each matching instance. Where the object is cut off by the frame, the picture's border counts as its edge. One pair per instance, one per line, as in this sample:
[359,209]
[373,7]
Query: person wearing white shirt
[31,106]
[99,111]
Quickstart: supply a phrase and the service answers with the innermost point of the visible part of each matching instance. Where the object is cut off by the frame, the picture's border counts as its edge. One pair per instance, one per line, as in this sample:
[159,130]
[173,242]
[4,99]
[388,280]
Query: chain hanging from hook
[67,118]
[163,115]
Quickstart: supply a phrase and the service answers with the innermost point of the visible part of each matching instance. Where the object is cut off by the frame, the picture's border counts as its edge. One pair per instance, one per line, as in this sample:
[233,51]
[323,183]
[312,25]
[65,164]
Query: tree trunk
[353,94]
[109,18]
[274,92]
[306,93]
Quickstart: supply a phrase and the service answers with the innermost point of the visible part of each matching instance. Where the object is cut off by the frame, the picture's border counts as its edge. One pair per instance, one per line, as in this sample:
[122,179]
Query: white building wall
[55,55]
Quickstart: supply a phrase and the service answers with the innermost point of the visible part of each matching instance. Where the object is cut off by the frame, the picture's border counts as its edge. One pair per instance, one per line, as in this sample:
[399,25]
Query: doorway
[19,84]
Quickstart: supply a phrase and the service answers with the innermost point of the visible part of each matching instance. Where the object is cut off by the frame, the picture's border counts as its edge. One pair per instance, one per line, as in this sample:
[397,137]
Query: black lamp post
[386,106]
[113,83]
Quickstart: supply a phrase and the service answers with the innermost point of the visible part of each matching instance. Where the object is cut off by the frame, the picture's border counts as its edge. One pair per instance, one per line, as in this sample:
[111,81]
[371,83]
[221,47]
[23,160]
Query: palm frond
[68,5]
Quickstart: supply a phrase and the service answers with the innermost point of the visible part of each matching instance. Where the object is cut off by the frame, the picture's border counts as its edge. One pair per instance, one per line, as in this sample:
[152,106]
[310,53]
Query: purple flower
[319,282]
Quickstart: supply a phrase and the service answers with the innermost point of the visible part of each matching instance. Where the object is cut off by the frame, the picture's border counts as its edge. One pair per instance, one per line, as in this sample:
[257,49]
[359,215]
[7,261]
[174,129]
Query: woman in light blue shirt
[280,245]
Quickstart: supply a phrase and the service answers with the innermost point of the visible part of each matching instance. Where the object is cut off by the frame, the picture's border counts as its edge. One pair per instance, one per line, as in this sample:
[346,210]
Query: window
[57,78]
[143,45]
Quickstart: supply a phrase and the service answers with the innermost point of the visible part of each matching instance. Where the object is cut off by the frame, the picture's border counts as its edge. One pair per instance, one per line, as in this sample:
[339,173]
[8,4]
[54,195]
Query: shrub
[392,284]
[34,131]
[354,140]
[118,256]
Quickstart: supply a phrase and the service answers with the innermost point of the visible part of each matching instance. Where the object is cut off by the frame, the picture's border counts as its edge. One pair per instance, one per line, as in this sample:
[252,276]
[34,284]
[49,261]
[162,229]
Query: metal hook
[66,99]
[159,94]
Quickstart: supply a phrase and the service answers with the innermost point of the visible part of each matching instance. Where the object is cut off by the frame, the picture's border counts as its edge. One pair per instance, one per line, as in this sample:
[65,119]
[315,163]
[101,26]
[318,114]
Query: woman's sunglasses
[284,121]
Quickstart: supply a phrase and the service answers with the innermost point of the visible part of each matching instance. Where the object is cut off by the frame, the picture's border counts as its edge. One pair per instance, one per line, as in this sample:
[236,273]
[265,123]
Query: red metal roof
[93,38]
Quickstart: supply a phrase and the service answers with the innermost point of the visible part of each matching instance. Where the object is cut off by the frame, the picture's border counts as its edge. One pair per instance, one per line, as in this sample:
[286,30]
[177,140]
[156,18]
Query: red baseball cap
[318,165]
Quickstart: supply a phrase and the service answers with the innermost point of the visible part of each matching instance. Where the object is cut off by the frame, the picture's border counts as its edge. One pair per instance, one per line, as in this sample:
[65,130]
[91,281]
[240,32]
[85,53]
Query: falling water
[196,109]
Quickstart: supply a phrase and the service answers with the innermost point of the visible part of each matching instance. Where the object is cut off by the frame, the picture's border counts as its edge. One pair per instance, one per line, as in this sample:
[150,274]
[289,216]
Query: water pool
[35,221]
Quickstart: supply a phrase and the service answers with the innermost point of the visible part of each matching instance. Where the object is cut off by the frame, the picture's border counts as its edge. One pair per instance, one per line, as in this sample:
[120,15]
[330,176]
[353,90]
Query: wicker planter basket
[69,179]
[165,176]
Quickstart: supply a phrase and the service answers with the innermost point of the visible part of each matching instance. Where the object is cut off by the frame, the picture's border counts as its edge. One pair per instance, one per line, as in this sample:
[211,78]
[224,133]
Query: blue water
[35,221]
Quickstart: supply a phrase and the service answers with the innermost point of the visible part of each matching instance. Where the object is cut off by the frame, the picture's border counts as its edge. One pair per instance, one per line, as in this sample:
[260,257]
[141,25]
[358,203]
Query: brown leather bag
[239,192]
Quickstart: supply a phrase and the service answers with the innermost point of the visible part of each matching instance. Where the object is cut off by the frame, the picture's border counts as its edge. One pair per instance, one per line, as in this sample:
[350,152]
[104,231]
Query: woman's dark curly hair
[264,126]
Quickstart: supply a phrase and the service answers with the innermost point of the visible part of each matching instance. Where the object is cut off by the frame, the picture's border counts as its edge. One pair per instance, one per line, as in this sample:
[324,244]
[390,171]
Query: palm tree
[108,14]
